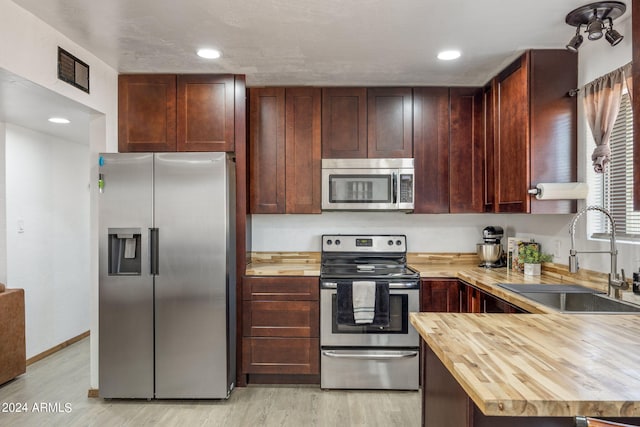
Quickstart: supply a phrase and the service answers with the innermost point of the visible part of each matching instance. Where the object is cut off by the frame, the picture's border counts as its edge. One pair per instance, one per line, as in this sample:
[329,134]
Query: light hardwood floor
[61,381]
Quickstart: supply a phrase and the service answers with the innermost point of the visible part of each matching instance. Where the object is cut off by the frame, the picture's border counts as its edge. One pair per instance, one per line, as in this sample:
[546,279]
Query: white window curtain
[601,103]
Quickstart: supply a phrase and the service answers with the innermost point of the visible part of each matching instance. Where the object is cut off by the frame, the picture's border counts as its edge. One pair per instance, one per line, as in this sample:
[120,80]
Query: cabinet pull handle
[395,187]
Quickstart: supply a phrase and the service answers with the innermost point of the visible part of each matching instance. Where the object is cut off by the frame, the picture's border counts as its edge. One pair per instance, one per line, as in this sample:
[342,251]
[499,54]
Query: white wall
[47,199]
[460,233]
[3,208]
[28,48]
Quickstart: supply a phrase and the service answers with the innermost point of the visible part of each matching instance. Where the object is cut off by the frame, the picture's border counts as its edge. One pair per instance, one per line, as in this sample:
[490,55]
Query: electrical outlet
[556,249]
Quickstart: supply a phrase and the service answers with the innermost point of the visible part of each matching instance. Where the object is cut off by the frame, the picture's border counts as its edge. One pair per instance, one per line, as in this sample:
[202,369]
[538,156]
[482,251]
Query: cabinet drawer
[281,318]
[281,355]
[281,288]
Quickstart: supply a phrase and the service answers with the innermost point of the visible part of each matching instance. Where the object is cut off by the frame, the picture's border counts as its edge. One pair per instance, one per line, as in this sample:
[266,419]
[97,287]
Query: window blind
[614,189]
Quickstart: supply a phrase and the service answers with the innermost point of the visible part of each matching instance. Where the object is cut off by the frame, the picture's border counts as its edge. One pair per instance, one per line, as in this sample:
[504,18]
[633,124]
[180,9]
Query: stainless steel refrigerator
[167,275]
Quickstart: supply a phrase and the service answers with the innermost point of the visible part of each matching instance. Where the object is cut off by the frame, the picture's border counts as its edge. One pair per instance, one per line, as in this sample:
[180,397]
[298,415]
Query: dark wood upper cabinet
[205,112]
[554,124]
[185,112]
[146,112]
[431,149]
[466,151]
[284,150]
[389,123]
[448,150]
[266,150]
[512,138]
[535,126]
[344,123]
[488,123]
[303,150]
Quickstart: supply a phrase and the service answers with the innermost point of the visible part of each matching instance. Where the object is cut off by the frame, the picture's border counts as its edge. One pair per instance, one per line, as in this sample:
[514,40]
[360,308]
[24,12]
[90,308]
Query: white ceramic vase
[532,269]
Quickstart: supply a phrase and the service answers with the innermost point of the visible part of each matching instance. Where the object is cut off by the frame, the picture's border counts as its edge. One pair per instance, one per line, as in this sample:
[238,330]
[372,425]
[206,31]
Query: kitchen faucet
[615,284]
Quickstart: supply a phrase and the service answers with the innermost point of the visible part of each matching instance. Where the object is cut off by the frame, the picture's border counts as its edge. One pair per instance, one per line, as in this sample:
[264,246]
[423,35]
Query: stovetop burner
[365,257]
[381,272]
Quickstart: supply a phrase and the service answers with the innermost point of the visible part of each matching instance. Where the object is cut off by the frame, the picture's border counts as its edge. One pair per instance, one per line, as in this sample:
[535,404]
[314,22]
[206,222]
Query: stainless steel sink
[571,298]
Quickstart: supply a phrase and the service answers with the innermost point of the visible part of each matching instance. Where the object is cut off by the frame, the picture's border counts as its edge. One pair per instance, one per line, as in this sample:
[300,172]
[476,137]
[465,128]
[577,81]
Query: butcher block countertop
[462,266]
[540,364]
[283,264]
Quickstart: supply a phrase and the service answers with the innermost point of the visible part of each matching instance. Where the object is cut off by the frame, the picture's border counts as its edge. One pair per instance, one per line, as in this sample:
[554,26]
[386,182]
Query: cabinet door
[491,304]
[344,123]
[512,138]
[472,299]
[466,151]
[554,124]
[265,355]
[281,288]
[281,319]
[440,295]
[266,150]
[431,149]
[303,150]
[205,112]
[478,301]
[488,179]
[389,128]
[146,113]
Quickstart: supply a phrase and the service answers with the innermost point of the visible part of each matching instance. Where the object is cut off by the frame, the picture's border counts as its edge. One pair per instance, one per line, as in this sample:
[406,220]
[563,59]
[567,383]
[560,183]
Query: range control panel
[406,188]
[364,243]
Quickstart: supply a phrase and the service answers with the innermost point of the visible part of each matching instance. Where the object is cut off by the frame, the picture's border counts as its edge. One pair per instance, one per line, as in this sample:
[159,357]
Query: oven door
[403,299]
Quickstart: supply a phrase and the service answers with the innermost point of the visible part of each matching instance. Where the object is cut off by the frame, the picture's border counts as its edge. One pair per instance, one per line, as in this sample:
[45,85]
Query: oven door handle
[370,356]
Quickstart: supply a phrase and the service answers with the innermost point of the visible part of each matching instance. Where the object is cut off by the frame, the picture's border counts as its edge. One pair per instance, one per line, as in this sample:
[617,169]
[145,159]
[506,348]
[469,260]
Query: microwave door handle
[395,187]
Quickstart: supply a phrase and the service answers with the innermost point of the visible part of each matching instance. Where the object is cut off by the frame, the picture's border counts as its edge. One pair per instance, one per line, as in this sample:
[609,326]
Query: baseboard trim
[93,392]
[57,348]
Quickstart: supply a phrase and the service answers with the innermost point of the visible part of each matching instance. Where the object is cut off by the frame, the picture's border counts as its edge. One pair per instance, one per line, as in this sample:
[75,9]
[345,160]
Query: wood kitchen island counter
[529,369]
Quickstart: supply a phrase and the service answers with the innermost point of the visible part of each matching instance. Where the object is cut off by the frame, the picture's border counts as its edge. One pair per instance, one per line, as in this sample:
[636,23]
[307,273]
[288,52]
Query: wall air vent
[72,70]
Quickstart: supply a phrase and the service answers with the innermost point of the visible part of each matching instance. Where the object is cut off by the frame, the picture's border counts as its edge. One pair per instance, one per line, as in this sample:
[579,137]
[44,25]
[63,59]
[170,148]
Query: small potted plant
[530,255]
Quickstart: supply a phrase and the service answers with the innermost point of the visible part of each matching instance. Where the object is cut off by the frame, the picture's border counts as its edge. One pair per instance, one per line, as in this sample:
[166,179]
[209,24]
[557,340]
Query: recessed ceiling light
[209,53]
[448,55]
[59,120]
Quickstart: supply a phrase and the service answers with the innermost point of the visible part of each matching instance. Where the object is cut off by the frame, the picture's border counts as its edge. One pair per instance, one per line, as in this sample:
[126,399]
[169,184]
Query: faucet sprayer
[615,284]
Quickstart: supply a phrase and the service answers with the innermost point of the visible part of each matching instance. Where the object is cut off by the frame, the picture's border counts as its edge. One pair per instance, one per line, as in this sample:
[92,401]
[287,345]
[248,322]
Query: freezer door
[125,284]
[191,202]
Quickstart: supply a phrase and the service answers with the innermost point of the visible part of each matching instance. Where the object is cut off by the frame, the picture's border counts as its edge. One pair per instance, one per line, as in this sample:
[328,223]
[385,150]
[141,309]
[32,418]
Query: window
[614,189]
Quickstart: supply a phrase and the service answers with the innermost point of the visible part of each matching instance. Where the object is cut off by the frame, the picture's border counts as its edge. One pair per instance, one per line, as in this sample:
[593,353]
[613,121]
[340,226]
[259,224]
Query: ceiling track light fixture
[598,21]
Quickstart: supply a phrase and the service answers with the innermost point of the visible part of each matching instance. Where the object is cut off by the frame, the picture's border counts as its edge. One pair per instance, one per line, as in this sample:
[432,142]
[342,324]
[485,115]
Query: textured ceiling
[313,42]
[290,42]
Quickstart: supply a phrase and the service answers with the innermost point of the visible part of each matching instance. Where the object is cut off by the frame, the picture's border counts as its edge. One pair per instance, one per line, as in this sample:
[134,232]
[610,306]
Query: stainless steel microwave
[367,184]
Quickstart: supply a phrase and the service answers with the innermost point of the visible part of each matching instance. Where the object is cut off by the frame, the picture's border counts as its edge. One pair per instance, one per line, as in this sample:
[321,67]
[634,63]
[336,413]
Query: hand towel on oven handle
[364,301]
[354,310]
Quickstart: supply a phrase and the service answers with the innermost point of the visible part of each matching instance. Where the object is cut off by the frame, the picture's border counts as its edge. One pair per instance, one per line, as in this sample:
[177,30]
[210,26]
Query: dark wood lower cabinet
[445,295]
[264,355]
[478,301]
[281,330]
[441,295]
[446,404]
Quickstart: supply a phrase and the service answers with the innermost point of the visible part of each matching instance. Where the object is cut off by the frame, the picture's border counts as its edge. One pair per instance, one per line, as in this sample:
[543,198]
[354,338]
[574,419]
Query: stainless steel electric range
[381,353]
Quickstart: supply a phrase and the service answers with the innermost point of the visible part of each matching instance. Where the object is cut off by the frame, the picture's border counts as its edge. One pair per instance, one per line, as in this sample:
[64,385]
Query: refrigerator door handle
[154,245]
